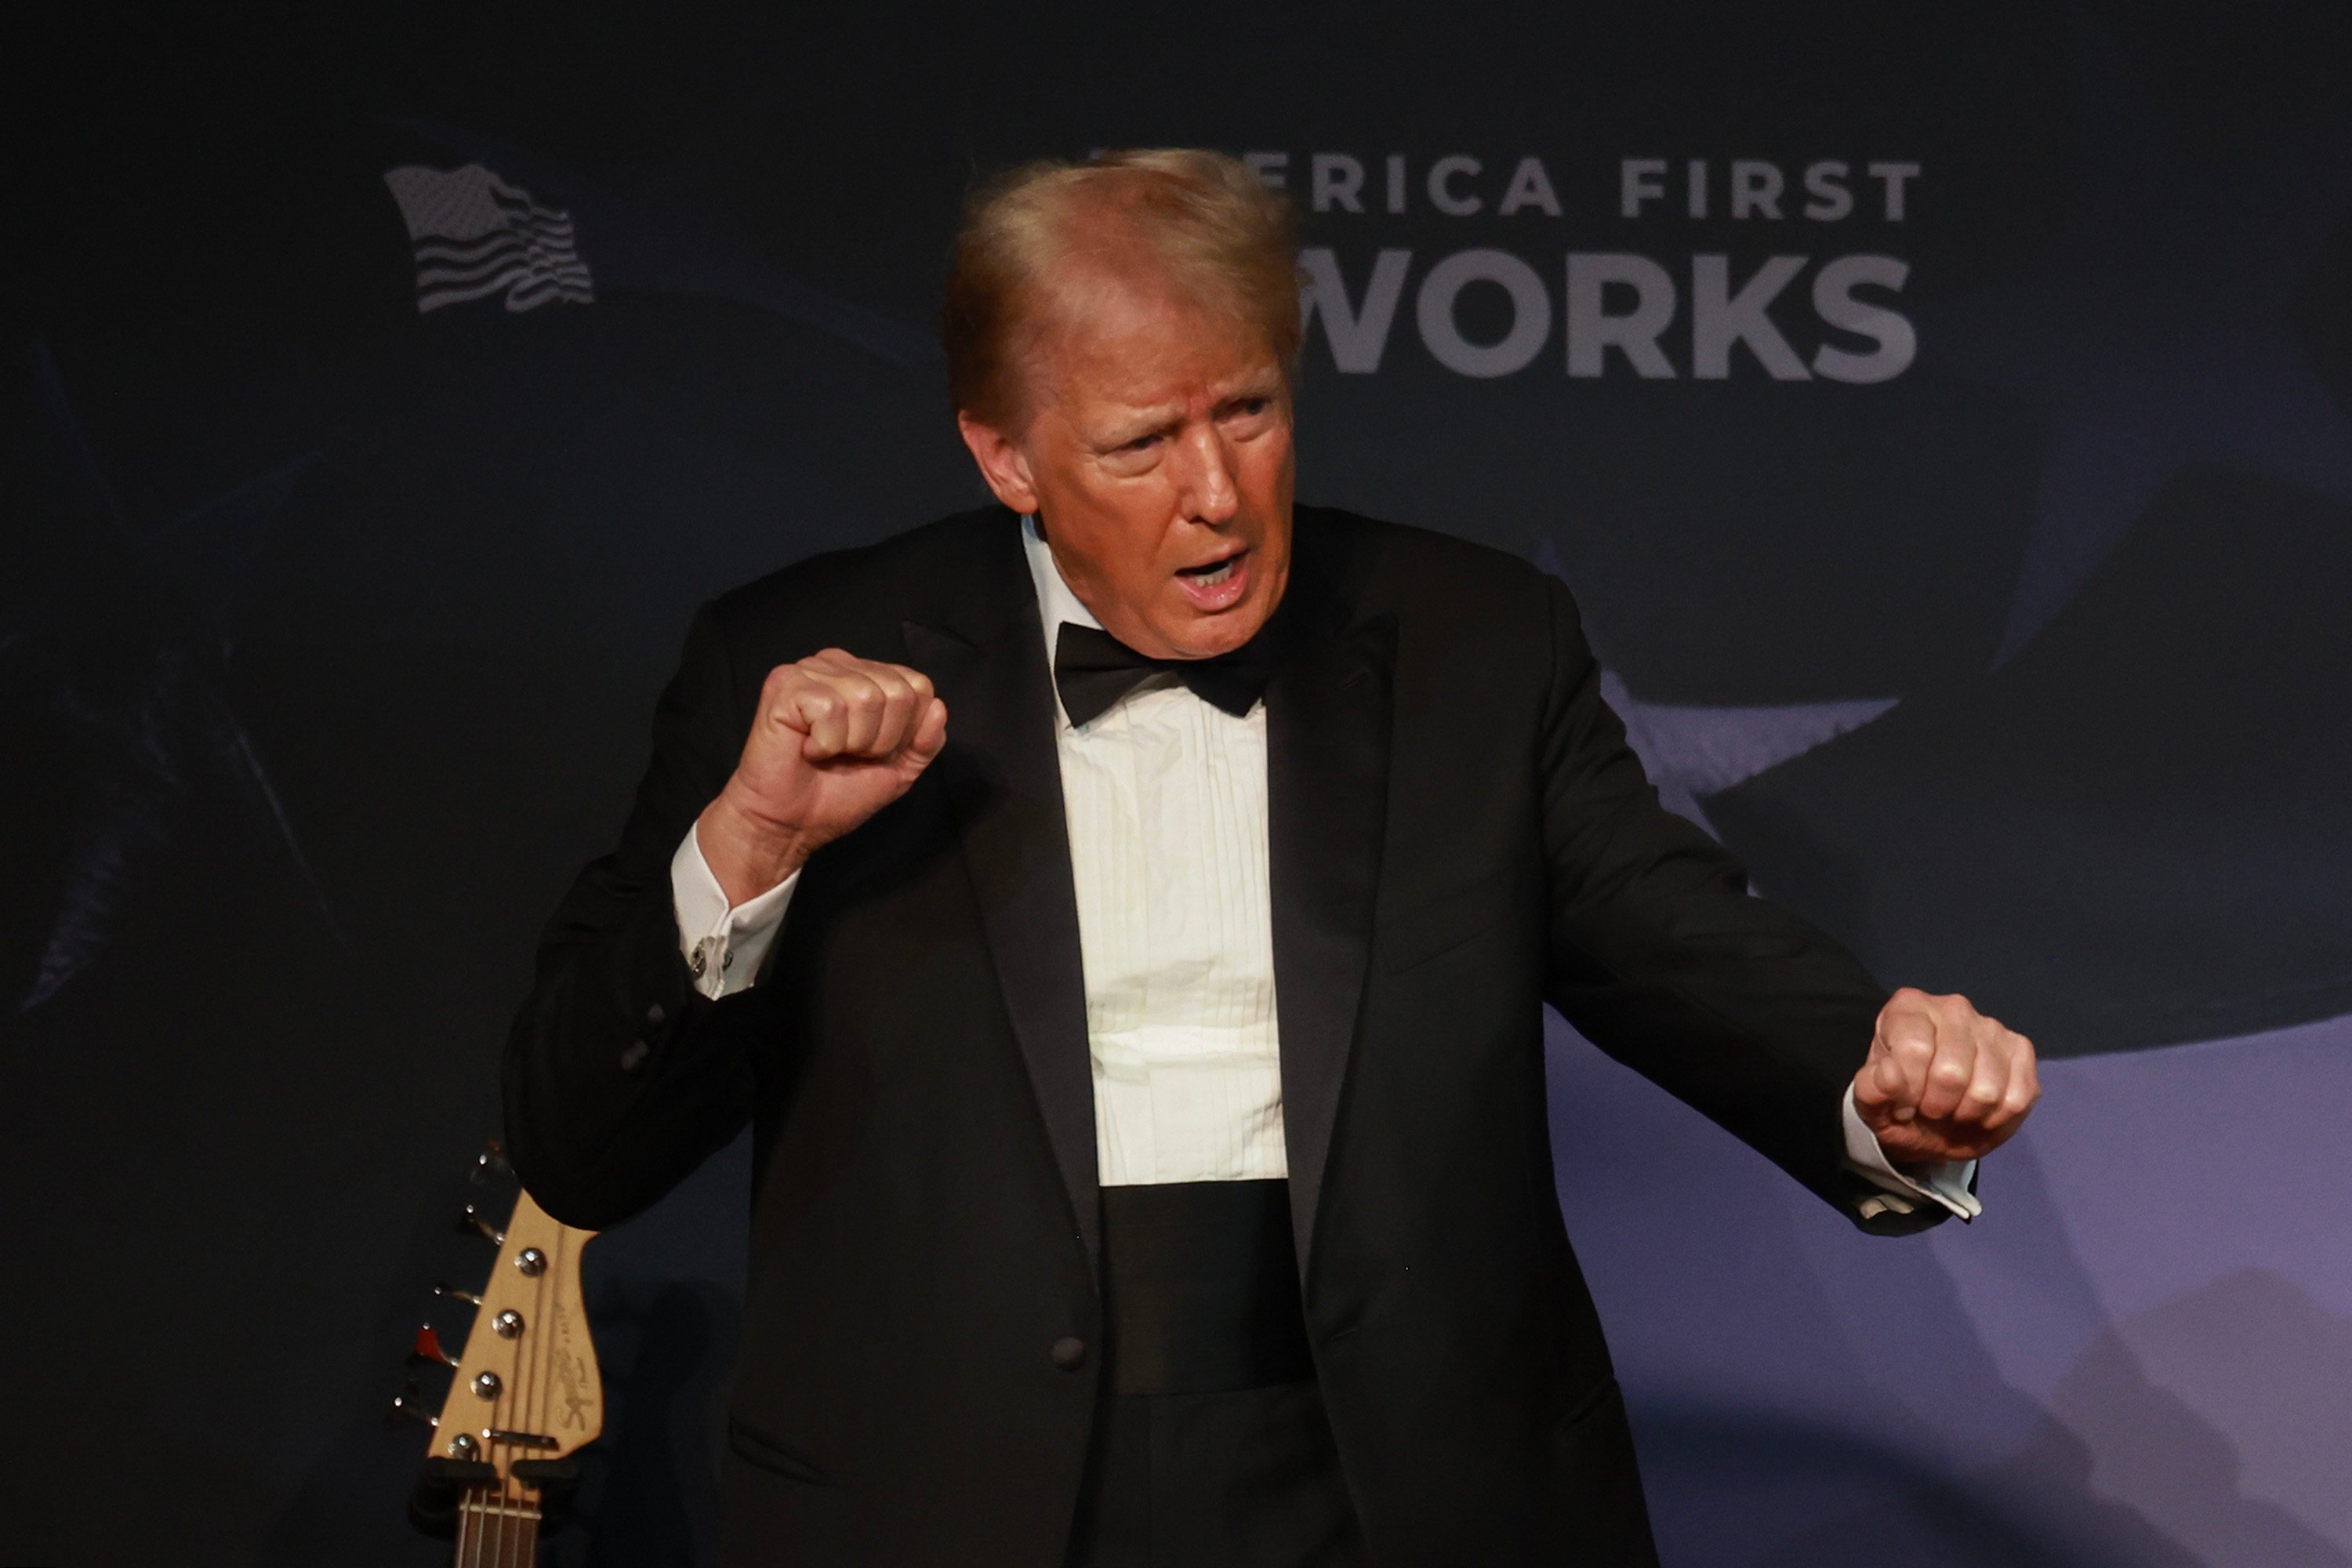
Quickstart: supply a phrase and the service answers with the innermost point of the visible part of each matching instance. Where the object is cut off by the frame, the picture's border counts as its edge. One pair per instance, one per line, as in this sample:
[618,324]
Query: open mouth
[1214,572]
[1214,585]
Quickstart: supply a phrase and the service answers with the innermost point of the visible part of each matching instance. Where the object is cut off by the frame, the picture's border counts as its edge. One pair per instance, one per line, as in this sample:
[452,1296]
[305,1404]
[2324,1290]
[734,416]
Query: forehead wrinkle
[1122,412]
[1096,358]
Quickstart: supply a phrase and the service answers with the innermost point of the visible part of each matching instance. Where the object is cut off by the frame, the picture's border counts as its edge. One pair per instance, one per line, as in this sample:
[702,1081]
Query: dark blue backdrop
[1945,422]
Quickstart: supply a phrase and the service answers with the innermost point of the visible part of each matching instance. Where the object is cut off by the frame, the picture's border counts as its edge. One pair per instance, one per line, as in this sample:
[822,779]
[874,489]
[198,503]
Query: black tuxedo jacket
[1458,836]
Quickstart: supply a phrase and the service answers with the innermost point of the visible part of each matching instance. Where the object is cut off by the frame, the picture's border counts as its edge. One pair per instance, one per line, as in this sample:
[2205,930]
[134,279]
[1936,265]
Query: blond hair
[1210,229]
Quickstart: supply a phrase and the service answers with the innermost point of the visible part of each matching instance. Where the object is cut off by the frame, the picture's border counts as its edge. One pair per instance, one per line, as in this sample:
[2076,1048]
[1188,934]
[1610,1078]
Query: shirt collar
[1056,602]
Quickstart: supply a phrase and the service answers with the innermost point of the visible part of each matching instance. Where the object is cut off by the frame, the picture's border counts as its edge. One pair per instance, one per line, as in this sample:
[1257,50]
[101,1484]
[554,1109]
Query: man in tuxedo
[1124,918]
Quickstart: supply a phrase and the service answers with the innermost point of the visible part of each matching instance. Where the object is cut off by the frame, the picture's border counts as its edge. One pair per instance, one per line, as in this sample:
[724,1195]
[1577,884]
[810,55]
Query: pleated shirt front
[1165,796]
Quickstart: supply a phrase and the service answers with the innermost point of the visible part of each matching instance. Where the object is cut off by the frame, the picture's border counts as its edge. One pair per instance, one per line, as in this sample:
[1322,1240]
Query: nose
[1205,490]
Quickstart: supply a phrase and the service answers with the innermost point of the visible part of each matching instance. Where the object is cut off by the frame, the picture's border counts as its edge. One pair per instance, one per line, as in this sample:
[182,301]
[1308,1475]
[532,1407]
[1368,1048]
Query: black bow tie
[1093,669]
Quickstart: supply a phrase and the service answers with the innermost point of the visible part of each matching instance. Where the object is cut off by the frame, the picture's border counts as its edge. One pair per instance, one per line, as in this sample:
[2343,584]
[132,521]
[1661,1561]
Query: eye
[1140,444]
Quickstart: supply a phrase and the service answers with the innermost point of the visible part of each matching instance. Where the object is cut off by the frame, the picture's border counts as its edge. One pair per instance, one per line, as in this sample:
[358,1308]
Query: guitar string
[543,1331]
[518,1419]
[514,1423]
[481,1522]
[541,1348]
[540,1345]
[469,1520]
[535,1331]
[524,1391]
[481,1525]
[530,1372]
[472,1496]
[498,1419]
[487,1522]
[501,1558]
[534,1393]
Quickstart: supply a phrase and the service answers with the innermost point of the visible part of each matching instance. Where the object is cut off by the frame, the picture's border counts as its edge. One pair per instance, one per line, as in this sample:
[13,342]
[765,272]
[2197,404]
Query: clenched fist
[835,739]
[1943,1081]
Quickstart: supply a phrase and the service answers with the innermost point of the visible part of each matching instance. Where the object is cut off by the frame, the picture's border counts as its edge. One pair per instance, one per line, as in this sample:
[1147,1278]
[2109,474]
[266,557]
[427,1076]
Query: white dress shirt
[1165,796]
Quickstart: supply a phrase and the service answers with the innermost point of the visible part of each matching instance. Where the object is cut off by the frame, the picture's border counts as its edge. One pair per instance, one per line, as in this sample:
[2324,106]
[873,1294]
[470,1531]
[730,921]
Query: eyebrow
[1157,421]
[1149,421]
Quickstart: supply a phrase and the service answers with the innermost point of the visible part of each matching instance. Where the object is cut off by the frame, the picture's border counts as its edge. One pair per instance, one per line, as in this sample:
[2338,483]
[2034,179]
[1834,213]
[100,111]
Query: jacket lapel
[1004,782]
[1326,792]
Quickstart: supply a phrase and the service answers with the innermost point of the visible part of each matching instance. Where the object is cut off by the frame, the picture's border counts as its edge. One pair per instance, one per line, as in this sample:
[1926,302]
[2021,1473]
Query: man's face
[1157,456]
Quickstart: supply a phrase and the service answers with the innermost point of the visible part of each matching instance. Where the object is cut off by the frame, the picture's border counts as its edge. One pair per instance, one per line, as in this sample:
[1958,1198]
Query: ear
[1002,463]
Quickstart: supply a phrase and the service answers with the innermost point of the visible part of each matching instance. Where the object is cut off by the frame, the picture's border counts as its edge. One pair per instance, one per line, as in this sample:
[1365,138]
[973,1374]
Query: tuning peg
[471,1223]
[455,1294]
[492,1162]
[428,1348]
[404,1411]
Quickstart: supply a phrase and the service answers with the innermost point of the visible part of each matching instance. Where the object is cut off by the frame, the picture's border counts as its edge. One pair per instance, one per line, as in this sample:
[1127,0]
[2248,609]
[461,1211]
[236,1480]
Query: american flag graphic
[476,236]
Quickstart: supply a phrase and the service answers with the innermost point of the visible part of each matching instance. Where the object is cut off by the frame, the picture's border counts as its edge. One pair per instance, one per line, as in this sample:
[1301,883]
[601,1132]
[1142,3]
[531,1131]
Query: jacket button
[1069,1352]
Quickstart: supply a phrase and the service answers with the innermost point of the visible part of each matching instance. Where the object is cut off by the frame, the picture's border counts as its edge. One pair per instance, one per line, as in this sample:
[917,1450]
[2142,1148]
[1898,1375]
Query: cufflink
[698,962]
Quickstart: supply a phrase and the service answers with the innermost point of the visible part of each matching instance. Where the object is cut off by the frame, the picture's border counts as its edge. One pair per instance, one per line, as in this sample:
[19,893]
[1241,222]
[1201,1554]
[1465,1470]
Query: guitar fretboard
[497,1528]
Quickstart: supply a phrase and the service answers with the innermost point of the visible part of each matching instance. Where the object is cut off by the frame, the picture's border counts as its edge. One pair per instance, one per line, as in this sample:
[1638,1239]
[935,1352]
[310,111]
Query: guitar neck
[497,1527]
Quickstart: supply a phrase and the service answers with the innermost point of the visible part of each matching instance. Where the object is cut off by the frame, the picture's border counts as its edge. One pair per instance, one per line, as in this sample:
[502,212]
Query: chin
[1206,636]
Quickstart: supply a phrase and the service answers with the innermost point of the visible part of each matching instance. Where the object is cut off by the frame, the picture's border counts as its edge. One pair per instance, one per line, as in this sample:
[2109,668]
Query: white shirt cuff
[1946,1183]
[723,945]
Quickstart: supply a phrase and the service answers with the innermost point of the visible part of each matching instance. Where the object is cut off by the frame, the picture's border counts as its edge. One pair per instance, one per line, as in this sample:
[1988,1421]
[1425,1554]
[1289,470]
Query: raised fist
[835,739]
[1943,1081]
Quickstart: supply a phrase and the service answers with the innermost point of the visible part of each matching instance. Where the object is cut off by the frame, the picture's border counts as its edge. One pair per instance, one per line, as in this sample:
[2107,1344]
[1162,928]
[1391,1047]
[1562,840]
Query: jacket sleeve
[620,1078]
[1659,955]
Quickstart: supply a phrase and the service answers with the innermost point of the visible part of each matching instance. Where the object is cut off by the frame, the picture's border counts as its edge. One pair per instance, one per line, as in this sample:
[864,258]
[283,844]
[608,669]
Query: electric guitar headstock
[523,1394]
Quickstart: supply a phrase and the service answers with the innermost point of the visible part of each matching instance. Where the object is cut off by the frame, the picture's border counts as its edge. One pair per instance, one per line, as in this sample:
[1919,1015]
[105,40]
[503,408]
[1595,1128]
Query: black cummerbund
[1201,1289]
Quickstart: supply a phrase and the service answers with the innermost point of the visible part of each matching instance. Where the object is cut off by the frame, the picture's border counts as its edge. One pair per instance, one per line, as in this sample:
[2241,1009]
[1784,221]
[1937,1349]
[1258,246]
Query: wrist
[746,852]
